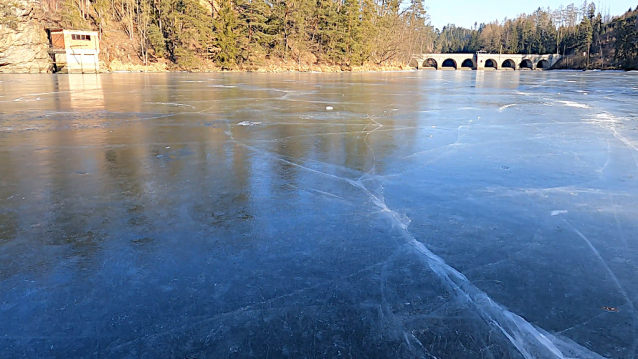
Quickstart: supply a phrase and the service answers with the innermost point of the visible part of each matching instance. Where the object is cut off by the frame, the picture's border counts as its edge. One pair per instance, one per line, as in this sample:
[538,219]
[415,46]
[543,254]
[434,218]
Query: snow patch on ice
[559,211]
[170,104]
[248,123]
[21,99]
[573,104]
[607,116]
[503,108]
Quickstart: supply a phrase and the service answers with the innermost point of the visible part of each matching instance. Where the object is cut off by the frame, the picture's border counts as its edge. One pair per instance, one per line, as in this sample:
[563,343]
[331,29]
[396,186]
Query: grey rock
[23,42]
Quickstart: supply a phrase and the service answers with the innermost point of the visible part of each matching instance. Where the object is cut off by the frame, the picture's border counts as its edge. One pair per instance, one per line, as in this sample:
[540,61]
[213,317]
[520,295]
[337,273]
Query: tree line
[625,29]
[250,33]
[236,33]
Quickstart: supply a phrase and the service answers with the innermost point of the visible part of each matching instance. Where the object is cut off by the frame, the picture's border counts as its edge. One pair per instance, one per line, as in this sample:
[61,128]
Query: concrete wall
[80,61]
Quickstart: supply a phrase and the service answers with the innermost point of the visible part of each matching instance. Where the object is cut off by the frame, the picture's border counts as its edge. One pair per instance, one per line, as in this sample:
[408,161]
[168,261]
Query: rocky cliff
[23,40]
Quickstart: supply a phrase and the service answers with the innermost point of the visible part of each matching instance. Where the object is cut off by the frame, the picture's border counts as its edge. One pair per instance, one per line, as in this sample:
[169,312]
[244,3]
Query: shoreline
[334,72]
[290,71]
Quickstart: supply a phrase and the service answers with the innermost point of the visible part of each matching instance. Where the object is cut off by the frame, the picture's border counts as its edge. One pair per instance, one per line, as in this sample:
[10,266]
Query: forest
[587,38]
[246,34]
[249,33]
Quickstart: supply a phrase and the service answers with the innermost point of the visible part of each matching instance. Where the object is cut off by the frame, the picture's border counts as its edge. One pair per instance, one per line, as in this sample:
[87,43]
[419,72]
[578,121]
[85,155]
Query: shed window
[81,37]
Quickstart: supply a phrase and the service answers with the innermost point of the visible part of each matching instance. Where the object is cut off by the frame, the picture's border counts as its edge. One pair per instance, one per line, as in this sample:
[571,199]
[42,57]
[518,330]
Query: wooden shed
[74,51]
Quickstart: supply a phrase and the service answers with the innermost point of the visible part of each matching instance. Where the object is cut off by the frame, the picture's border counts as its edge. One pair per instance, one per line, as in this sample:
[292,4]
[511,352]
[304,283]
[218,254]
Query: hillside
[199,36]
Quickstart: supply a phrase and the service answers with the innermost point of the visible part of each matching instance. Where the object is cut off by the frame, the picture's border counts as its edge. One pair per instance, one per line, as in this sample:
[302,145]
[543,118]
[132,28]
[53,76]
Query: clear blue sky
[466,12]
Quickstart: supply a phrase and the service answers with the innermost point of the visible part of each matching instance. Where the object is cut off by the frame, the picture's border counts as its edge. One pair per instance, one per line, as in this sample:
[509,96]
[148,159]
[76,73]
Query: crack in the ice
[279,139]
[517,191]
[281,159]
[247,308]
[387,314]
[365,140]
[327,194]
[529,341]
[602,313]
[621,289]
[634,346]
[451,146]
[510,256]
[607,121]
[423,348]
[601,171]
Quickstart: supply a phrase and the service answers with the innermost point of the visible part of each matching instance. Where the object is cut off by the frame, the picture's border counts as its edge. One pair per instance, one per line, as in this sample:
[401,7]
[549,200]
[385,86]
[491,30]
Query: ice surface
[435,215]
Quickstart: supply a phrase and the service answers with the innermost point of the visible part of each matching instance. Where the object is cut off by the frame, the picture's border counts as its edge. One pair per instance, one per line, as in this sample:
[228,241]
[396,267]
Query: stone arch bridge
[484,61]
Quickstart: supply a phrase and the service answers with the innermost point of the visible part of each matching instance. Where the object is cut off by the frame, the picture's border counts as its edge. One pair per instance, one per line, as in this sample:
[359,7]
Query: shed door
[57,41]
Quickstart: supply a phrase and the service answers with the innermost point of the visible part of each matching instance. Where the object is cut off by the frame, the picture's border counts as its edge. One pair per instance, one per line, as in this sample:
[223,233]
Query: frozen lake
[426,215]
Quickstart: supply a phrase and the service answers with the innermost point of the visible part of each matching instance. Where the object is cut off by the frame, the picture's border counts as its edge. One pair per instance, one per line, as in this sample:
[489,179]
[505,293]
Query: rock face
[23,42]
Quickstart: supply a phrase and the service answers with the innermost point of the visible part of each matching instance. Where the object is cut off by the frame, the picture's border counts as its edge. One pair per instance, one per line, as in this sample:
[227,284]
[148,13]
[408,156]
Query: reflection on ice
[435,215]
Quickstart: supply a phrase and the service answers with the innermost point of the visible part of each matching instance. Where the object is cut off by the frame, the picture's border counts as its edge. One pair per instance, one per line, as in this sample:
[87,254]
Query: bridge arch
[414,63]
[491,63]
[509,63]
[430,62]
[543,64]
[468,63]
[449,63]
[527,64]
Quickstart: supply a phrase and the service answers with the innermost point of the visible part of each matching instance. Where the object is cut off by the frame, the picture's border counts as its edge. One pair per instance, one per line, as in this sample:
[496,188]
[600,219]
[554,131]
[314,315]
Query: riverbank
[271,67]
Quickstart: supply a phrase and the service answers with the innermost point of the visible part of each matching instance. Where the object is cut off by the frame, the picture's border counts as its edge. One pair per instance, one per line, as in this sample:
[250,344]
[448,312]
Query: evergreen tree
[584,36]
[512,42]
[369,28]
[626,43]
[420,32]
[157,40]
[351,35]
[298,39]
[184,26]
[253,17]
[328,30]
[225,26]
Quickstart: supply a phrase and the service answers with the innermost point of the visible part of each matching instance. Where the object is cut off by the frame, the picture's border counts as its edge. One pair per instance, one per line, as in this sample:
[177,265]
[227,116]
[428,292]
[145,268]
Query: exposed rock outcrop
[23,41]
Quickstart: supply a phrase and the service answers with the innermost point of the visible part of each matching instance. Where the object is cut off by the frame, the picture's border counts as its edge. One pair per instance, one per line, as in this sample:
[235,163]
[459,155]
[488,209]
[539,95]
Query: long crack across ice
[530,341]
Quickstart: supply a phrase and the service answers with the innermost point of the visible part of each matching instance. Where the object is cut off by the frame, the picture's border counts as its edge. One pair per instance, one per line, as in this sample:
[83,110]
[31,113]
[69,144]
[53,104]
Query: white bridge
[484,61]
